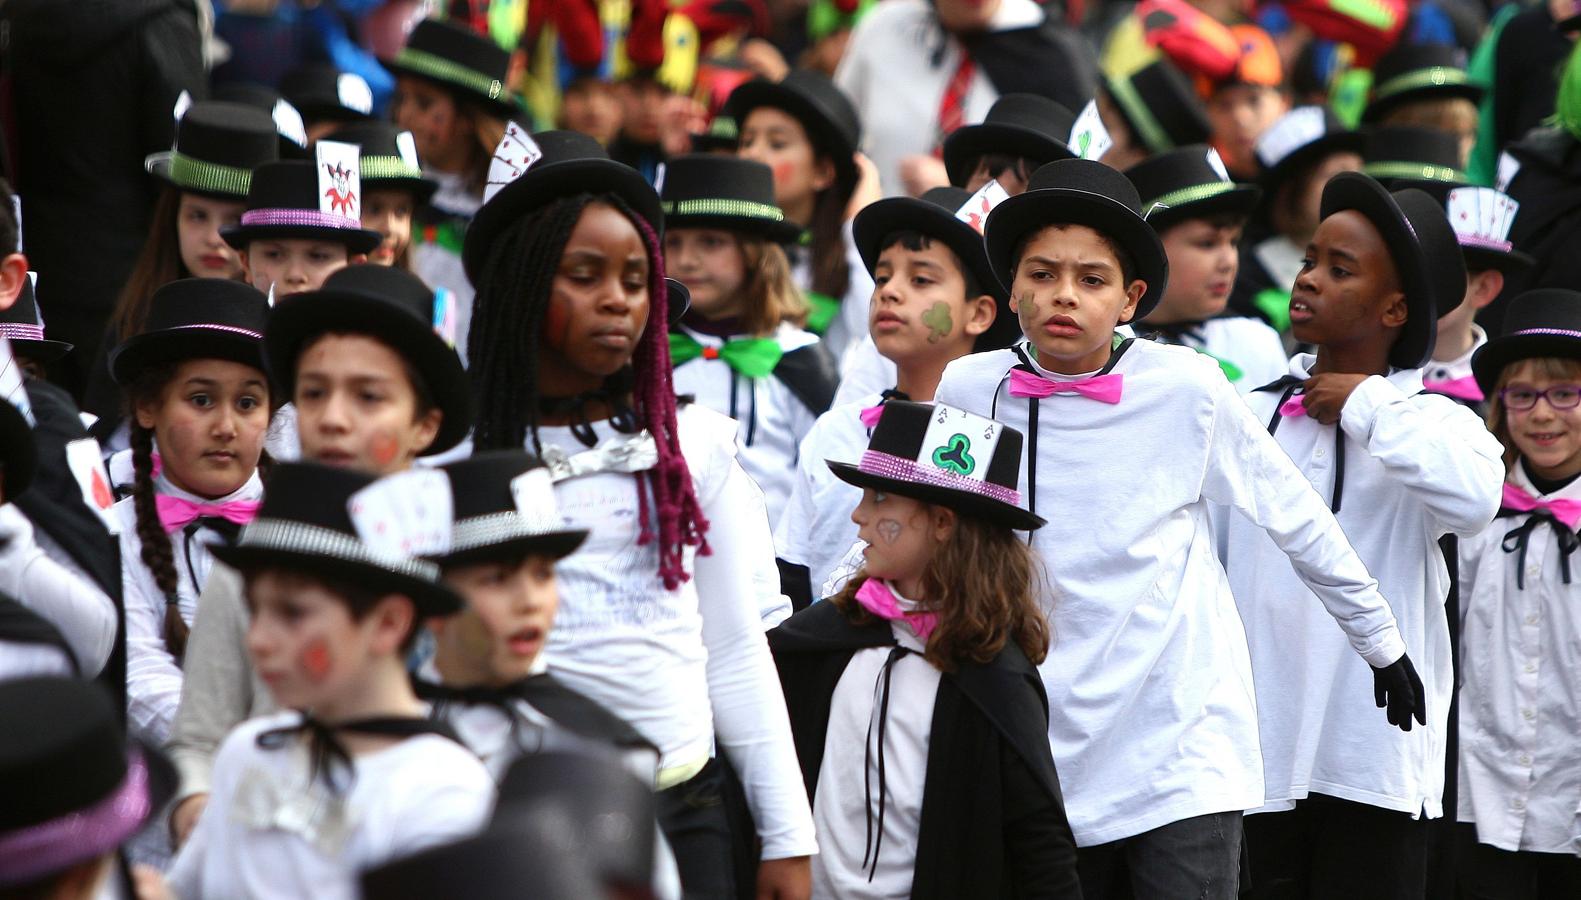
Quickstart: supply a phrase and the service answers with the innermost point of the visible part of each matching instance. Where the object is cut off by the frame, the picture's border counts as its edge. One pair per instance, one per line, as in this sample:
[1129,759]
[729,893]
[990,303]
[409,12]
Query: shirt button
[1518,805]
[1319,454]
[1525,760]
[1532,571]
[1528,714]
[1531,667]
[1531,619]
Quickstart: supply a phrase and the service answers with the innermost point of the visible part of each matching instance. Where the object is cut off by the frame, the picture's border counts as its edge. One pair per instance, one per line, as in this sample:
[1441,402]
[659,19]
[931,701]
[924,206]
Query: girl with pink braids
[663,611]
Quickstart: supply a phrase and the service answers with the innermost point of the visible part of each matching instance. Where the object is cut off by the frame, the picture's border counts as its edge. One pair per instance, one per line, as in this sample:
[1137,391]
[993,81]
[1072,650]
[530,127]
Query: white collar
[251,489]
[1409,381]
[1520,479]
[905,635]
[1462,363]
[1032,355]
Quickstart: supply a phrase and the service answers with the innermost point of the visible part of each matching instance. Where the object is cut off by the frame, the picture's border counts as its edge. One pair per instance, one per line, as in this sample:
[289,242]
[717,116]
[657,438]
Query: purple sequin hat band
[310,218]
[1560,332]
[232,329]
[1471,240]
[20,331]
[886,465]
[28,854]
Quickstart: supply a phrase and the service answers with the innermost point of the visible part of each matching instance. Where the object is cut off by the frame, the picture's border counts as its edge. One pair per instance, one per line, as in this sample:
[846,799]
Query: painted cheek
[316,660]
[889,530]
[384,448]
[783,172]
[556,323]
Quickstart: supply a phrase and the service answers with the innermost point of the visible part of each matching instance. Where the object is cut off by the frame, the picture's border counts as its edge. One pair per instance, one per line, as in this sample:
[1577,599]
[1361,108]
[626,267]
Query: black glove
[1397,688]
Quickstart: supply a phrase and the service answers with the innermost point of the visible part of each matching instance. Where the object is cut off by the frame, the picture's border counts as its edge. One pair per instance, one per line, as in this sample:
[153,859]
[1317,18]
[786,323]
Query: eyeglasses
[1560,396]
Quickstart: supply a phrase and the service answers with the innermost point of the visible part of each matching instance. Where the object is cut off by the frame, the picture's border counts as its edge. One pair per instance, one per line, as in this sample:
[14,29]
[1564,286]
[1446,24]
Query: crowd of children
[1020,450]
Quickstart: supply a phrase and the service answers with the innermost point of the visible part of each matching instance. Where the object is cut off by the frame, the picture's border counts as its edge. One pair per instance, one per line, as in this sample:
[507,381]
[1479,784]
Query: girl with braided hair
[661,616]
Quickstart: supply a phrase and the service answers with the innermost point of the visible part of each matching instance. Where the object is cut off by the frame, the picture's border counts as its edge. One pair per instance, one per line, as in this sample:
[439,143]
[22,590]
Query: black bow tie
[224,527]
[1516,539]
[327,753]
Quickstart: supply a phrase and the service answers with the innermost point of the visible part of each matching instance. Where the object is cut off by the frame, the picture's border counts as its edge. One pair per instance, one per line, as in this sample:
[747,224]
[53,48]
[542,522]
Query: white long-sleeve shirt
[850,325]
[1520,692]
[1254,351]
[60,593]
[1416,466]
[682,665]
[816,528]
[153,677]
[1152,718]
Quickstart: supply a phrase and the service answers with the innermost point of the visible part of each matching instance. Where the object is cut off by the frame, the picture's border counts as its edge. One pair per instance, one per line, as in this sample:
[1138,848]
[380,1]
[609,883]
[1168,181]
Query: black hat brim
[18,452]
[553,544]
[292,324]
[45,351]
[1481,259]
[504,108]
[1298,159]
[1015,218]
[421,189]
[783,231]
[1380,108]
[139,352]
[430,598]
[1240,200]
[357,240]
[823,131]
[328,109]
[985,508]
[966,145]
[158,165]
[1490,360]
[885,217]
[548,182]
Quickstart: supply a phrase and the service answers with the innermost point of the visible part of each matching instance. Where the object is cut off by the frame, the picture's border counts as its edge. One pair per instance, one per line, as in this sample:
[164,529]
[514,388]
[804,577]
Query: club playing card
[975,210]
[512,158]
[1088,138]
[959,442]
[406,514]
[339,179]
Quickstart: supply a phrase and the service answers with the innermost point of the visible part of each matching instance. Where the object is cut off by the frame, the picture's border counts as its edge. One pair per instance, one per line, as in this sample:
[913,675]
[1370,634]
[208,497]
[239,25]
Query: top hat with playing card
[1406,156]
[504,509]
[218,145]
[945,456]
[1540,323]
[341,524]
[321,92]
[1024,125]
[294,200]
[1413,72]
[290,130]
[703,190]
[1298,140]
[1189,183]
[1162,108]
[1482,218]
[391,305]
[388,158]
[822,108]
[461,60]
[195,318]
[942,214]
[23,325]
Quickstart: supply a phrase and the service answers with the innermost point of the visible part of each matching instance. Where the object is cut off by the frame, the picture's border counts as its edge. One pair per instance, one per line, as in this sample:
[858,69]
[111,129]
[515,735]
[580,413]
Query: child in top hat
[1426,86]
[807,132]
[1152,110]
[1481,218]
[1020,133]
[1199,215]
[75,790]
[571,358]
[295,233]
[740,349]
[936,300]
[1152,715]
[1403,156]
[1298,154]
[290,132]
[328,98]
[1400,468]
[195,383]
[1520,772]
[927,660]
[355,773]
[23,325]
[393,184]
[373,388]
[1245,104]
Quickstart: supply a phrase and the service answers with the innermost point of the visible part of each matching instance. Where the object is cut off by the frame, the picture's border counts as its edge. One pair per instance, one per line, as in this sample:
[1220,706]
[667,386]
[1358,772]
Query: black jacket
[993,819]
[1548,225]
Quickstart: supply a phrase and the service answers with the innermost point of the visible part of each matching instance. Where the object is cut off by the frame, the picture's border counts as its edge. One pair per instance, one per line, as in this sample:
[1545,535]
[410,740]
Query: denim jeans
[1193,859]
[692,816]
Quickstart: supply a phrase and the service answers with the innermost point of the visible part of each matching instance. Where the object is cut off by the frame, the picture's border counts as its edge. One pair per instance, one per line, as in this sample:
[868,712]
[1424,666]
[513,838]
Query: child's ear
[822,173]
[1486,286]
[943,523]
[1133,296]
[247,270]
[356,259]
[980,314]
[426,428]
[1396,313]
[146,413]
[13,271]
[390,621]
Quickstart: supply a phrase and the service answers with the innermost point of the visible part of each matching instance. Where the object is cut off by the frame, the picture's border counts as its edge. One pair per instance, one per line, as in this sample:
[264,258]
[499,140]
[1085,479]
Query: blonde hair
[1555,368]
[769,293]
[1455,115]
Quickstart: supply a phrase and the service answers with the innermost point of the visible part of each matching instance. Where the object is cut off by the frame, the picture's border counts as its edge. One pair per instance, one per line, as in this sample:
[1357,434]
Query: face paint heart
[315,659]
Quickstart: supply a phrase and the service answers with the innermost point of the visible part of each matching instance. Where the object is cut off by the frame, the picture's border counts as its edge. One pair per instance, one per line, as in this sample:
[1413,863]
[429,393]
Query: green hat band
[214,178]
[1437,76]
[723,206]
[450,72]
[387,167]
[1138,113]
[724,128]
[1187,195]
[1419,171]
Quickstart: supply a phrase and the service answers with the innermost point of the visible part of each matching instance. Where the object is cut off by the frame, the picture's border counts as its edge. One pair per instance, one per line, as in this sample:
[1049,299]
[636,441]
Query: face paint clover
[937,318]
[954,456]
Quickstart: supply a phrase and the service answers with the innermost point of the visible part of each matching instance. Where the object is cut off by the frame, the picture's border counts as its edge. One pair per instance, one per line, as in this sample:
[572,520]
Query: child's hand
[149,884]
[785,879]
[867,187]
[185,816]
[1325,394]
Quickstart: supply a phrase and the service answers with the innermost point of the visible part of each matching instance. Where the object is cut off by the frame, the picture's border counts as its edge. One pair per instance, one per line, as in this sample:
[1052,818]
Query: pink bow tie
[870,415]
[176,513]
[1568,512]
[1103,388]
[1293,407]
[1459,388]
[876,597]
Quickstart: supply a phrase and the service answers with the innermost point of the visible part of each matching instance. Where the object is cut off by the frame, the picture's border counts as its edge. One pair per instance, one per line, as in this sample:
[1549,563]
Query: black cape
[993,819]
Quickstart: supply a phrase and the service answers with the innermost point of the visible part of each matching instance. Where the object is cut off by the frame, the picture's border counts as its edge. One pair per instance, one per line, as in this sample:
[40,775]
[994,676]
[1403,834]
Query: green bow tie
[821,310]
[752,357]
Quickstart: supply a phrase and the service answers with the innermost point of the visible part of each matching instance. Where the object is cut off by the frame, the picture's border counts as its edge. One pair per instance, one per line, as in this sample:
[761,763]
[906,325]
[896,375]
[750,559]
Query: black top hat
[283,202]
[572,164]
[610,814]
[290,130]
[680,299]
[1418,72]
[1482,218]
[196,318]
[387,158]
[946,456]
[1025,125]
[1299,139]
[724,133]
[1402,156]
[708,191]
[1189,183]
[504,507]
[1079,192]
[218,145]
[822,108]
[18,453]
[322,92]
[1425,253]
[460,59]
[501,863]
[933,214]
[306,525]
[74,790]
[386,303]
[1160,106]
[1544,322]
[24,326]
